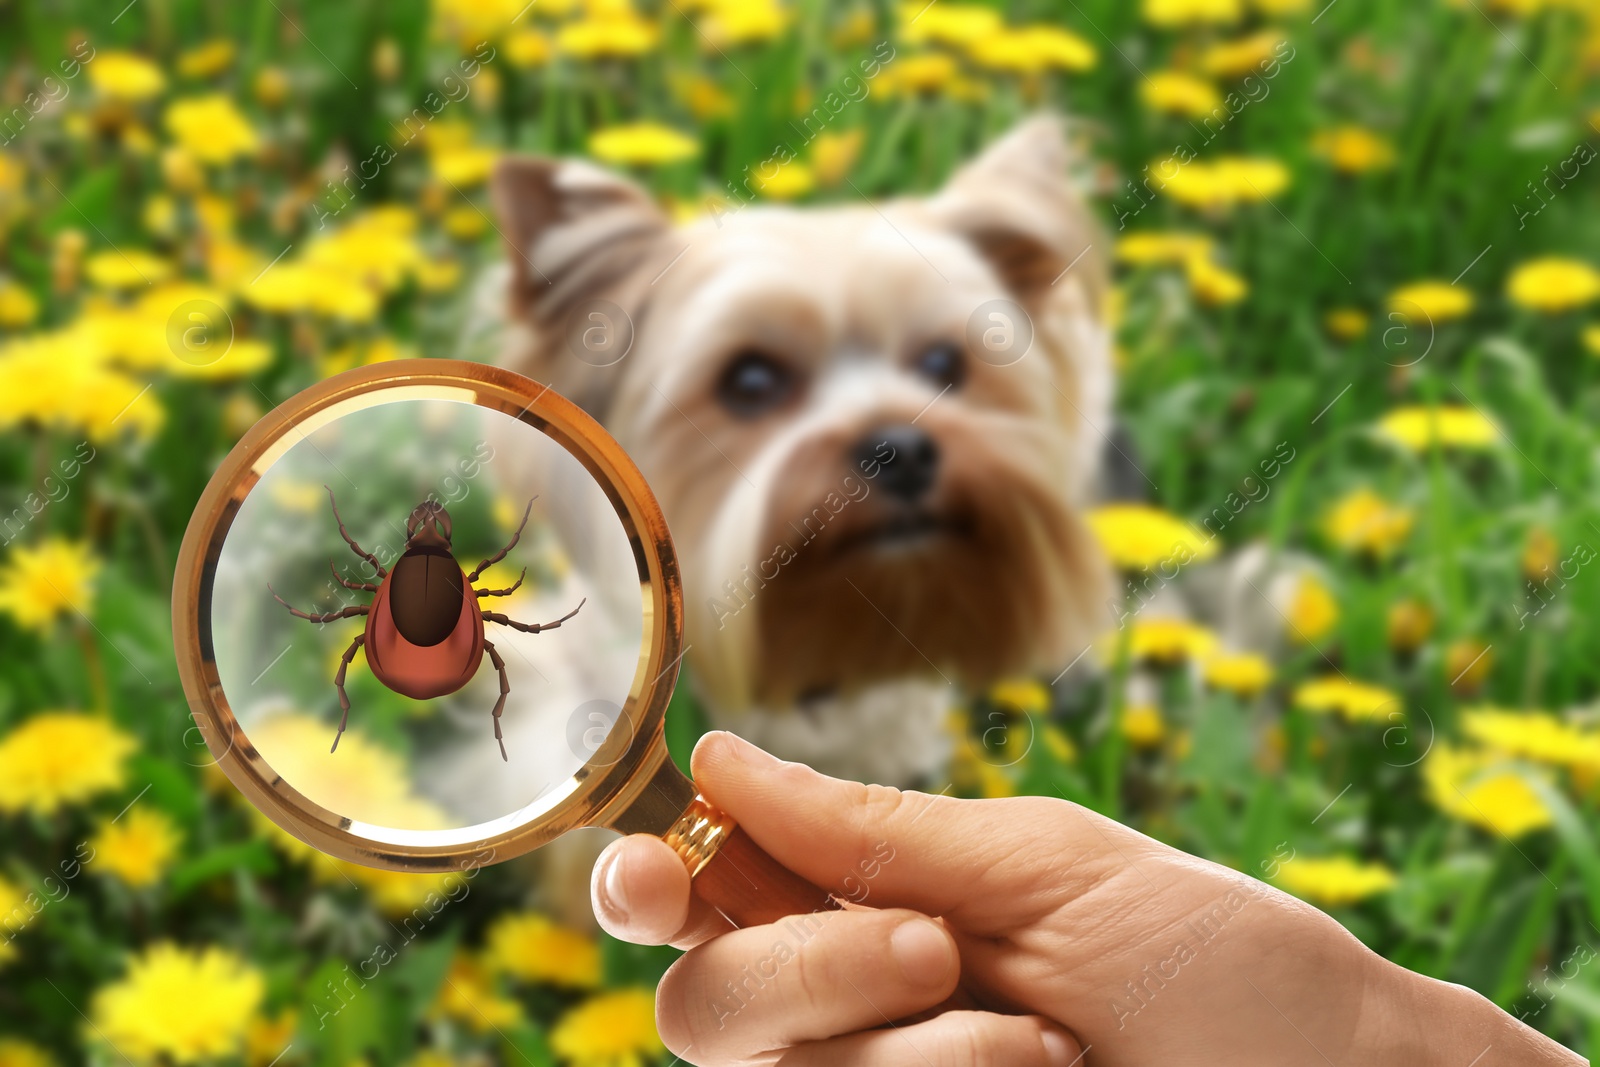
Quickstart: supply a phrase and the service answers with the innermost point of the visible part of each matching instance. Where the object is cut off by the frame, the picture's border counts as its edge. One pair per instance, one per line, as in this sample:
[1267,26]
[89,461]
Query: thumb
[891,848]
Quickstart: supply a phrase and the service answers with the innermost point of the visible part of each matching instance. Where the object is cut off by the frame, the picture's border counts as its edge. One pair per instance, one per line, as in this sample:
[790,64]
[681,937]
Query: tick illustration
[424,635]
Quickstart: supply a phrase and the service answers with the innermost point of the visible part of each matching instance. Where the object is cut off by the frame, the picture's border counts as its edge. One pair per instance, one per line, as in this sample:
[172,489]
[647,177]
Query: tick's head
[428,526]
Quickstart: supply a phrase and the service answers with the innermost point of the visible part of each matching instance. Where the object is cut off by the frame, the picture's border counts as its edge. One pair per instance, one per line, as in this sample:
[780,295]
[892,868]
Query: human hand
[1072,939]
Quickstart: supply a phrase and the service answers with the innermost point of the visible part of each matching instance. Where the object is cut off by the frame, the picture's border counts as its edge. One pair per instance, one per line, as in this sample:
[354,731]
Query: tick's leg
[351,541]
[505,688]
[338,683]
[503,592]
[531,627]
[500,555]
[347,583]
[326,616]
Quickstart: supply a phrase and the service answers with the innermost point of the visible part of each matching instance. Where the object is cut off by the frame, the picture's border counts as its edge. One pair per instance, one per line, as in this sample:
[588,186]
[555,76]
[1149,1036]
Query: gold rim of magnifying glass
[628,782]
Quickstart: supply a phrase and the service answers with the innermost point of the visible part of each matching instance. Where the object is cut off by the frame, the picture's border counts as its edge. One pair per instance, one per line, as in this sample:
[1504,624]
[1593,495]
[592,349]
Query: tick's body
[424,636]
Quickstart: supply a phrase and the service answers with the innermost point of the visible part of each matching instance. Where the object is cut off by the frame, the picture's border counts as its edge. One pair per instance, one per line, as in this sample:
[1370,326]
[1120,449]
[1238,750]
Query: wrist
[1408,1019]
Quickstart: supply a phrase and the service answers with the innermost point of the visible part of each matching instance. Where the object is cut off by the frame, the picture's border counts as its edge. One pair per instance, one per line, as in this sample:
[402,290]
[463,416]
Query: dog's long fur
[814,627]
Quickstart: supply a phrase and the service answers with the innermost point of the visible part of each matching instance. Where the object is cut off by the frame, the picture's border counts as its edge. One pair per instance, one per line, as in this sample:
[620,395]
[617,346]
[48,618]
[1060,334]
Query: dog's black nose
[907,460]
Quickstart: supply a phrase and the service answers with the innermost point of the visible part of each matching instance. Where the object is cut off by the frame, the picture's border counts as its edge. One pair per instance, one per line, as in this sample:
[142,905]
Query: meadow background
[1358,260]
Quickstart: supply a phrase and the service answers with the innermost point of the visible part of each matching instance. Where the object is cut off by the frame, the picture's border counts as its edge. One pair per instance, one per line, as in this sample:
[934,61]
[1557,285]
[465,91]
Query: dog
[873,430]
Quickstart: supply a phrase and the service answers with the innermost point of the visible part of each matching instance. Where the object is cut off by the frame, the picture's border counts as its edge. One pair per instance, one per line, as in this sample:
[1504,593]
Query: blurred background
[1356,327]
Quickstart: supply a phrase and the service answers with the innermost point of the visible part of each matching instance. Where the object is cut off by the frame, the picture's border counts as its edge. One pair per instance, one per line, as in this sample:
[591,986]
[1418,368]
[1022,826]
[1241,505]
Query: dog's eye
[943,364]
[754,384]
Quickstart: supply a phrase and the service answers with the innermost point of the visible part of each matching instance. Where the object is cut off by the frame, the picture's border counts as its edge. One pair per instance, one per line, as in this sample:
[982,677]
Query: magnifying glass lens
[481,590]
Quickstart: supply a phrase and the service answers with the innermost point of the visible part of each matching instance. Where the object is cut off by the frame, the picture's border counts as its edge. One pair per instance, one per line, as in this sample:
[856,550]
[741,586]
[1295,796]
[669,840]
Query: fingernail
[613,892]
[923,951]
[1057,1049]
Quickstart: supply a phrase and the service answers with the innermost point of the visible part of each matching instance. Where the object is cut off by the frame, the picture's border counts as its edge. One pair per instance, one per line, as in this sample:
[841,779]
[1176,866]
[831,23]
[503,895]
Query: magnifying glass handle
[735,875]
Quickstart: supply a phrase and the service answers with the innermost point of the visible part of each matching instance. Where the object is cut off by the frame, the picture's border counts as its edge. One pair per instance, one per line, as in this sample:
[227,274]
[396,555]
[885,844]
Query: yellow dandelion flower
[1059,49]
[57,758]
[266,1038]
[14,1052]
[60,380]
[469,995]
[1174,14]
[1163,247]
[1225,183]
[1312,611]
[950,24]
[137,847]
[1167,642]
[534,948]
[1591,339]
[1213,285]
[40,584]
[244,357]
[207,60]
[619,36]
[614,1029]
[1334,881]
[126,268]
[1484,790]
[1058,744]
[272,86]
[1420,428]
[1244,674]
[1364,522]
[126,76]
[464,166]
[315,287]
[1541,554]
[465,223]
[1533,735]
[1346,324]
[926,72]
[1353,149]
[1408,623]
[1553,285]
[1140,538]
[527,48]
[642,144]
[1466,665]
[1246,55]
[18,307]
[973,771]
[834,154]
[184,1005]
[787,181]
[1178,92]
[1032,49]
[730,23]
[1438,301]
[1356,701]
[1278,8]
[1143,725]
[438,275]
[1025,695]
[211,129]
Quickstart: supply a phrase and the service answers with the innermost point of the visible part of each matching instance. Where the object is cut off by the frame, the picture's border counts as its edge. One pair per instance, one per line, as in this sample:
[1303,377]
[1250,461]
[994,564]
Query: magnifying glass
[428,616]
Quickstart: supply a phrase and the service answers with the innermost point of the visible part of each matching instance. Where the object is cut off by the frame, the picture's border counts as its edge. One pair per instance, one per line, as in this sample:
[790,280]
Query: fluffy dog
[872,428]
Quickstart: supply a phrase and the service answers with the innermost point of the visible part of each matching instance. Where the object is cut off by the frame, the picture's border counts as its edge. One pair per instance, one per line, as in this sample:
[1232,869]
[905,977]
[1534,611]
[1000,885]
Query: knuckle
[676,994]
[879,806]
[812,977]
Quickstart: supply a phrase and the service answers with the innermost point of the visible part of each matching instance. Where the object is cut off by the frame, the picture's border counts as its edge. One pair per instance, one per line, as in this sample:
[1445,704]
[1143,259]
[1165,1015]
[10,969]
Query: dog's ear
[1017,205]
[573,232]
